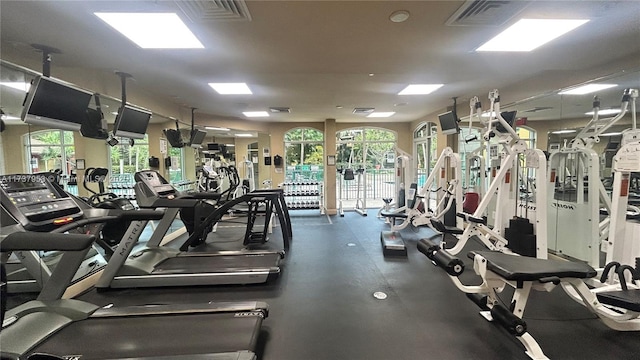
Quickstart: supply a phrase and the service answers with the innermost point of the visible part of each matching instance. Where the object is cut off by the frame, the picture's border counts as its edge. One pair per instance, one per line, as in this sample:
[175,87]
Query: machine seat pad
[446,229]
[524,268]
[394,215]
[629,299]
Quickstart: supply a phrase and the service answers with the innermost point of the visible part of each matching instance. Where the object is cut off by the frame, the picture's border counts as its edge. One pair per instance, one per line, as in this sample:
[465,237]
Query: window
[304,155]
[52,150]
[470,146]
[176,170]
[425,144]
[371,149]
[126,160]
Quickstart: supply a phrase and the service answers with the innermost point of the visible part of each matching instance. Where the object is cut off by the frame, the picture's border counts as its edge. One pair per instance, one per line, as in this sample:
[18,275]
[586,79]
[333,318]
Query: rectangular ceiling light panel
[420,89]
[528,34]
[381,114]
[587,89]
[22,86]
[255,113]
[153,30]
[231,88]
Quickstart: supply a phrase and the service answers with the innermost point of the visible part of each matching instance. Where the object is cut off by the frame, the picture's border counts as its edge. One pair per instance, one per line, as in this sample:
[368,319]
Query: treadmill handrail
[112,215]
[38,241]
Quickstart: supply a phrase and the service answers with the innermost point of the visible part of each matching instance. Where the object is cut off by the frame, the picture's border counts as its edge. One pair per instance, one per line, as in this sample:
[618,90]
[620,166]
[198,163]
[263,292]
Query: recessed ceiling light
[153,30]
[587,89]
[216,128]
[420,89]
[22,86]
[255,113]
[244,135]
[563,131]
[528,34]
[605,112]
[231,88]
[9,117]
[228,145]
[371,74]
[381,114]
[399,16]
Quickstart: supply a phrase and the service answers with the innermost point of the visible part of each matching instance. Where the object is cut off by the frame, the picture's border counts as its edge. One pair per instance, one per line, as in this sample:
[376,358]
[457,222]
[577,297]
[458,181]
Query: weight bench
[525,274]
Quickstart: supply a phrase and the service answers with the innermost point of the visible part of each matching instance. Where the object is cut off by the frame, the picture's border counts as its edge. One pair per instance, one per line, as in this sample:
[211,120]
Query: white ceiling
[314,56]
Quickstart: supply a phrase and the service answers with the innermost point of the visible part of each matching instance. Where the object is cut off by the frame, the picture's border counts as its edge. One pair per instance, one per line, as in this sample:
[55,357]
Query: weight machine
[517,225]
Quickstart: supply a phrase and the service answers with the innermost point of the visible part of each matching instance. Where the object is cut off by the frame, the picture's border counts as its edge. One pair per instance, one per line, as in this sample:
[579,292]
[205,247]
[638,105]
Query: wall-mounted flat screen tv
[131,122]
[55,104]
[449,123]
[509,117]
[197,137]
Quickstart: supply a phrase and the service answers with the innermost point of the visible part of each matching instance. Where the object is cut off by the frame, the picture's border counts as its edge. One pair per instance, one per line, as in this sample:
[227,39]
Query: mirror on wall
[580,195]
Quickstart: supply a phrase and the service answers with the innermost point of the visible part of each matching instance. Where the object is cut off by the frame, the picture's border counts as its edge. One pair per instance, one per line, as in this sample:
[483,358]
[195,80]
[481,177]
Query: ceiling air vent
[363,110]
[279,109]
[538,108]
[486,12]
[206,10]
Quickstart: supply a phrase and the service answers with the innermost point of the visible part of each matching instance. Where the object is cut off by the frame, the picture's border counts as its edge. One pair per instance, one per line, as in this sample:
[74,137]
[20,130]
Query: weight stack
[520,236]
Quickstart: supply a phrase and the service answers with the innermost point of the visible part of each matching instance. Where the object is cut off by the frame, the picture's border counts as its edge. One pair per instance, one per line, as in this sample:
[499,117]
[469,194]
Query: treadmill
[76,329]
[164,266]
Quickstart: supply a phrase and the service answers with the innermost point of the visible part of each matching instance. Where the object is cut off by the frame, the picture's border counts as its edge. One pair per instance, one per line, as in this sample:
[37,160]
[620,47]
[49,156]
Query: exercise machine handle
[37,241]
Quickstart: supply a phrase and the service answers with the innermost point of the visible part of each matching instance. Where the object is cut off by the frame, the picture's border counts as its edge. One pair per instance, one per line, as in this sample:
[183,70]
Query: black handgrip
[512,323]
[451,264]
[35,241]
[607,268]
[623,279]
[202,196]
[142,214]
[428,247]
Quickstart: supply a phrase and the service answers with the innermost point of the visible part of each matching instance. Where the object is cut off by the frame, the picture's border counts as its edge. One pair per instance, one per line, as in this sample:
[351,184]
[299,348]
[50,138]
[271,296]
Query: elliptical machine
[112,232]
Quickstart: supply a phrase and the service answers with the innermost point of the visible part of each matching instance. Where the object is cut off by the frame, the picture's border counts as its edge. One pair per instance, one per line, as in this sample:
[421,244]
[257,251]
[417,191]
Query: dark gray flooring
[322,306]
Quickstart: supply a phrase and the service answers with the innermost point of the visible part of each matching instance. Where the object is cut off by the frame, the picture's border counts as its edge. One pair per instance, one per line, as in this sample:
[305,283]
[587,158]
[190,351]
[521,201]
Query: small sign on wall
[163,146]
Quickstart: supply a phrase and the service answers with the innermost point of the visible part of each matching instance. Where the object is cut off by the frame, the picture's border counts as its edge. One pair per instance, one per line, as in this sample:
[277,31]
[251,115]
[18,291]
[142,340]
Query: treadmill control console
[151,186]
[35,203]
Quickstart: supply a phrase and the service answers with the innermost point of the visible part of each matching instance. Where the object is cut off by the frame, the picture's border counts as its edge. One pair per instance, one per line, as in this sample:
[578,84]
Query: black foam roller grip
[451,264]
[508,320]
[428,247]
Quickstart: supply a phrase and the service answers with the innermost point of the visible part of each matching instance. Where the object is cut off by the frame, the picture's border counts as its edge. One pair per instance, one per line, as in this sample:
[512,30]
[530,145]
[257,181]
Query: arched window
[51,150]
[304,155]
[425,145]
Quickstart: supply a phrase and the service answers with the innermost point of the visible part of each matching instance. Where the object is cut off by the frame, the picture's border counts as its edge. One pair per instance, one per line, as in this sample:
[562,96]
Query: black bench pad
[445,229]
[394,215]
[629,299]
[524,268]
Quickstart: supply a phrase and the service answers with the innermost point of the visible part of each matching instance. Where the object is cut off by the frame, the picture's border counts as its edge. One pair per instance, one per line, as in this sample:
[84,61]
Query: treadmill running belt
[154,336]
[221,263]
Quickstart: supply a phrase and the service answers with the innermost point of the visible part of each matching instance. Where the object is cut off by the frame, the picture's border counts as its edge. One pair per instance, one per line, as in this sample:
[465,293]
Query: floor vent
[207,10]
[486,12]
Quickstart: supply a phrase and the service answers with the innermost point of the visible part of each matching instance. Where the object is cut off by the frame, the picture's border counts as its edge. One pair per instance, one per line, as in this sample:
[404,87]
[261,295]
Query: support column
[330,171]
